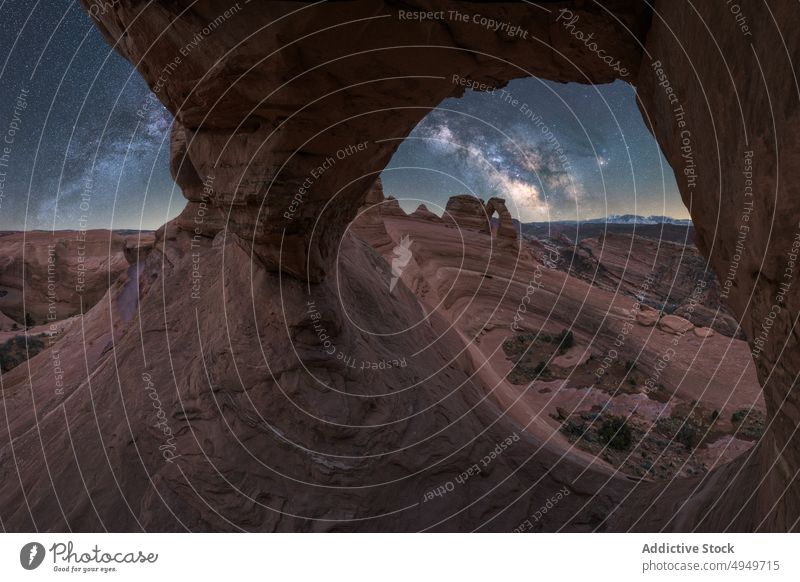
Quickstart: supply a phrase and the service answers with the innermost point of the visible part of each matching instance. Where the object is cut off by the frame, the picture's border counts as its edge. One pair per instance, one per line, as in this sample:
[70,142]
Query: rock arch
[506,232]
[259,111]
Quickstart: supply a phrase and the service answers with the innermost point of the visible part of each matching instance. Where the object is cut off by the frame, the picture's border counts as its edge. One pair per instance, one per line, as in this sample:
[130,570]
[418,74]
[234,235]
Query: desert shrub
[739,415]
[678,429]
[616,433]
[687,435]
[573,430]
[751,423]
[13,352]
[753,430]
[714,415]
[541,369]
[566,339]
[522,342]
[29,322]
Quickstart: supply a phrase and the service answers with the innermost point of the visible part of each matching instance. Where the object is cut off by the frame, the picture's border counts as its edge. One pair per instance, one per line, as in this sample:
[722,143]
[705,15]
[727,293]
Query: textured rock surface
[466,212]
[60,274]
[703,331]
[505,229]
[736,95]
[422,213]
[488,296]
[309,444]
[391,207]
[647,316]
[368,223]
[261,105]
[674,324]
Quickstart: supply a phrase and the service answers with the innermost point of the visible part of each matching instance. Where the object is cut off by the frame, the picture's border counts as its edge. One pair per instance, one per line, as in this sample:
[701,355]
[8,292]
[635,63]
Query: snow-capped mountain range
[636,219]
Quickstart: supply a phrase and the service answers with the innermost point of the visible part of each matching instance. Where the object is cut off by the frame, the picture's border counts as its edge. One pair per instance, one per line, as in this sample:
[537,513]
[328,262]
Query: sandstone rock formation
[369,224]
[720,320]
[391,207]
[466,212]
[498,300]
[137,247]
[505,228]
[703,331]
[647,316]
[422,213]
[665,274]
[60,274]
[674,324]
[709,150]
[282,114]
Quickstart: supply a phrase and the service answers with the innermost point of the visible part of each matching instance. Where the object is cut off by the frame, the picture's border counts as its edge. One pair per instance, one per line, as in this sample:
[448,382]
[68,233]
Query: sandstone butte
[268,432]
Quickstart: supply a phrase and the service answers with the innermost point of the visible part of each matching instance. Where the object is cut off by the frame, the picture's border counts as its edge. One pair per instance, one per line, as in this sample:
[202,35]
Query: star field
[91,146]
[553,151]
[81,150]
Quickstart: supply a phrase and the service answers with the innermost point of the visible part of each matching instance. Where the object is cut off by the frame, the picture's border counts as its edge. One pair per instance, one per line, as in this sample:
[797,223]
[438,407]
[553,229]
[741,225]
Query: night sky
[562,152]
[80,138]
[91,142]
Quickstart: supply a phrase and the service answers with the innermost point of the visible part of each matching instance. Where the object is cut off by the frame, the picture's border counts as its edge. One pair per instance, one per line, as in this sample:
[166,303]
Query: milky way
[553,151]
[91,145]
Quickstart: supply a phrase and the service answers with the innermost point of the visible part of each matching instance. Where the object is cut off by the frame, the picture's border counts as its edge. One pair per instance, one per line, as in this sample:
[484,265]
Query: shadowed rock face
[710,147]
[369,222]
[285,114]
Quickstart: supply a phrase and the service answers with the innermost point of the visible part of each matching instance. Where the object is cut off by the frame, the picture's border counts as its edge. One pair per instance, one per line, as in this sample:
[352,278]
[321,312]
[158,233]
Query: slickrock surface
[284,117]
[6,323]
[499,301]
[61,273]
